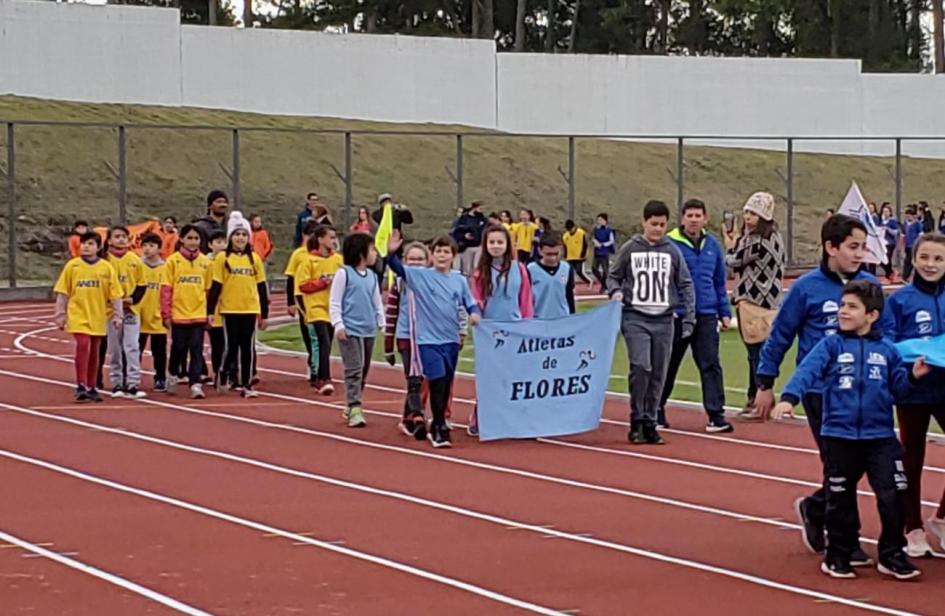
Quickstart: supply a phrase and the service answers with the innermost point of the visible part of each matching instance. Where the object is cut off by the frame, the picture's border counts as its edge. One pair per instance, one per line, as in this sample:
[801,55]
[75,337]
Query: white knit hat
[235,223]
[761,203]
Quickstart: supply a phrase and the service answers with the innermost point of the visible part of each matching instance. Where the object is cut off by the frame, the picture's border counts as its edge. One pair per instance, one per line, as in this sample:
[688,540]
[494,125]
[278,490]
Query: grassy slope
[62,172]
[731,352]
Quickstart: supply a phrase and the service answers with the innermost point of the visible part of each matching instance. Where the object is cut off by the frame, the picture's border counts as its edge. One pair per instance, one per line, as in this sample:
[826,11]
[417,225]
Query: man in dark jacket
[400,214]
[215,220]
[467,232]
[311,202]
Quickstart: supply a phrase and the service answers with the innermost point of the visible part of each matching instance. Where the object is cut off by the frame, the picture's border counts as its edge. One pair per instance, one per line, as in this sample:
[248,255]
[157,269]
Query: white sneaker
[937,527]
[916,544]
[196,392]
[172,384]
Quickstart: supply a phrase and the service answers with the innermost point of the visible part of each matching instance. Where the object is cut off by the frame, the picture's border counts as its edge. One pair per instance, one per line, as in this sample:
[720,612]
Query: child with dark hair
[913,229]
[169,237]
[124,354]
[435,297]
[575,249]
[552,281]
[605,245]
[88,295]
[152,325]
[809,313]
[523,234]
[293,292]
[314,277]
[79,228]
[356,313]
[650,277]
[861,374]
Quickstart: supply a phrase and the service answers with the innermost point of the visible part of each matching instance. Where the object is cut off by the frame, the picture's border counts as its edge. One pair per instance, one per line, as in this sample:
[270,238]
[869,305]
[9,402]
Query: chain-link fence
[56,173]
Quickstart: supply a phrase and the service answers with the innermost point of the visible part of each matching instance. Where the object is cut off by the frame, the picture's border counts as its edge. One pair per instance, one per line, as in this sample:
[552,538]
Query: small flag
[382,237]
[855,205]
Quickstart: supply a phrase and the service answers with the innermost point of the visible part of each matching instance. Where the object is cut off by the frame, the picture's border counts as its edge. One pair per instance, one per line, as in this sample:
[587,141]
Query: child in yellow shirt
[86,293]
[124,354]
[215,332]
[316,275]
[149,310]
[293,294]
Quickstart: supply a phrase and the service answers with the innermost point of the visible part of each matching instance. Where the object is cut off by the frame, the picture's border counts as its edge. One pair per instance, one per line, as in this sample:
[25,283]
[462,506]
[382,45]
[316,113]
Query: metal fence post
[680,181]
[122,178]
[237,198]
[571,177]
[460,198]
[898,179]
[11,206]
[348,182]
[790,201]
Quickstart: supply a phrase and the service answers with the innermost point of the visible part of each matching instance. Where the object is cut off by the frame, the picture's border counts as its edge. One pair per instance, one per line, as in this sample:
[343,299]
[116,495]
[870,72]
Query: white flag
[855,205]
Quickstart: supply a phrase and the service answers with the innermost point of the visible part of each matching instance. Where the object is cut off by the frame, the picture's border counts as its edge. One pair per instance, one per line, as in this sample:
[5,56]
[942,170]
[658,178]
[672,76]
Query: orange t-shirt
[74,244]
[262,244]
[168,244]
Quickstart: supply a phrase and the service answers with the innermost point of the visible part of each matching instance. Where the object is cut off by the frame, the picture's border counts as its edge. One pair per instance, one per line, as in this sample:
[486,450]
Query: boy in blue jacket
[863,375]
[706,261]
[809,313]
[605,245]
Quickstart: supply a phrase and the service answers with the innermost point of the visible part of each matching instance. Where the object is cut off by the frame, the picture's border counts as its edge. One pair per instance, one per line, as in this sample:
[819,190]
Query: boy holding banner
[651,278]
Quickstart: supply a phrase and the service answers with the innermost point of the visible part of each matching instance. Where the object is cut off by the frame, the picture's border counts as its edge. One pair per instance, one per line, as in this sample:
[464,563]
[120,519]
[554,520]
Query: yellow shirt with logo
[523,235]
[315,268]
[150,306]
[239,276]
[296,259]
[189,281]
[129,268]
[573,244]
[91,289]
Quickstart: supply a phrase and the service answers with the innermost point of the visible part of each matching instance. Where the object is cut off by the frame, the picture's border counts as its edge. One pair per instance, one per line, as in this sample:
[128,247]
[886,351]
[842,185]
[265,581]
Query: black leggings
[413,403]
[187,340]
[240,332]
[158,353]
[578,267]
[307,339]
[217,348]
[326,334]
[440,398]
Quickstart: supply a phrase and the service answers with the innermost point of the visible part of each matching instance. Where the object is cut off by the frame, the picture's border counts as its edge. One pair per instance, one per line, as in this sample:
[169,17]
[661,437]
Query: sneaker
[407,426]
[196,392]
[635,435]
[254,380]
[118,392]
[326,389]
[248,392]
[811,534]
[439,437]
[313,381]
[936,526]
[356,418]
[449,424]
[94,395]
[661,420]
[718,425]
[171,386]
[81,395]
[899,567]
[859,558]
[421,429]
[134,392]
[917,546]
[471,430]
[838,569]
[652,436]
[159,387]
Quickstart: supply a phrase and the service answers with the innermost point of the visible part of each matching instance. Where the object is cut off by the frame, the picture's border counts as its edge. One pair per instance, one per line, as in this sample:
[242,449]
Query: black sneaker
[661,420]
[420,433]
[718,425]
[635,436]
[652,436]
[118,392]
[838,569]
[811,534]
[81,395]
[160,387]
[95,396]
[439,437]
[898,566]
[859,558]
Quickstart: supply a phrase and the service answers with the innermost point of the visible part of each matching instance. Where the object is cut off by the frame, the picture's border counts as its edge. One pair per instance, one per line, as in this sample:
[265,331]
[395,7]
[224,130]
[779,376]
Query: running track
[272,506]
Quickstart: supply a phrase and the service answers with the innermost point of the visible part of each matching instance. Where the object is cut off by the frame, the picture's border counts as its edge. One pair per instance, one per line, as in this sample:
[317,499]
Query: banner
[932,349]
[544,377]
[136,232]
[854,205]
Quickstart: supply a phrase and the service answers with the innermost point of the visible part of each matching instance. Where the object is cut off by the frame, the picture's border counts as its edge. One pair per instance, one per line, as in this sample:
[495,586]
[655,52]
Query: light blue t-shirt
[438,298]
[503,304]
[550,293]
[357,305]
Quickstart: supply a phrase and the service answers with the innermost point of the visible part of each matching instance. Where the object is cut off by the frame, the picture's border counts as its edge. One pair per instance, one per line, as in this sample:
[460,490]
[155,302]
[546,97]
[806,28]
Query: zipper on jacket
[859,419]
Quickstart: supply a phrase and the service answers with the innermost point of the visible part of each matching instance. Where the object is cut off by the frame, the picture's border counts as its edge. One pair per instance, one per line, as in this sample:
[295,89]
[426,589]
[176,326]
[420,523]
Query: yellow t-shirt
[296,259]
[573,244]
[150,306]
[523,235]
[129,268]
[239,280]
[189,281]
[316,304]
[91,289]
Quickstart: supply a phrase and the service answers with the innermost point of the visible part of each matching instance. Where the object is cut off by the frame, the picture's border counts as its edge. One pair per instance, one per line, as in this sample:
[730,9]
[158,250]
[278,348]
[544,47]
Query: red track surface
[274,507]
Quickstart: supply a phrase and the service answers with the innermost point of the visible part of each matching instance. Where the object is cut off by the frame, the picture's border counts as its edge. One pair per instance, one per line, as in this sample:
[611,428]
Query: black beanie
[214,195]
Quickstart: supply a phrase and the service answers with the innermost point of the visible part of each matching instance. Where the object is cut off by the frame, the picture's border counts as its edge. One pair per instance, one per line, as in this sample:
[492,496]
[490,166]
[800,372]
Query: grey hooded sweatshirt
[654,279]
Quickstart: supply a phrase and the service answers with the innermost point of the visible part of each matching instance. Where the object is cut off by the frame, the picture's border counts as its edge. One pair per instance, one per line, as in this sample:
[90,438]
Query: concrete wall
[143,55]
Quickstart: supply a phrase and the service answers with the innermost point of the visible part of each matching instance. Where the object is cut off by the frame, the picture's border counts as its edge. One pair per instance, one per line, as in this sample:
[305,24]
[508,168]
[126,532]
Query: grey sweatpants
[356,355]
[649,347]
[124,359]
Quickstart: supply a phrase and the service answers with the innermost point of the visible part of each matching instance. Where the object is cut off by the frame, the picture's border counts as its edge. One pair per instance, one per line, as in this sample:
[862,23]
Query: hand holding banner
[932,349]
[531,382]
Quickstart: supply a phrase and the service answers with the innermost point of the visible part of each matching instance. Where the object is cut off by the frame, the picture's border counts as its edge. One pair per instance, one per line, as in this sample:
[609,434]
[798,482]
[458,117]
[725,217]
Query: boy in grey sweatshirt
[651,278]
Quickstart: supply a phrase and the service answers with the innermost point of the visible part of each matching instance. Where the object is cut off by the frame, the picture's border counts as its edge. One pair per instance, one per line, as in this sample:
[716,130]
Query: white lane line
[553,479]
[111,578]
[265,528]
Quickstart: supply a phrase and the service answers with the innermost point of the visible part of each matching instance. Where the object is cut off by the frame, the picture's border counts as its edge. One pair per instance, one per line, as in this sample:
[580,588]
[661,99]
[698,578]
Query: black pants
[439,398]
[307,339]
[217,348]
[240,330]
[907,264]
[158,353]
[705,351]
[578,267]
[888,265]
[187,349]
[413,403]
[525,256]
[326,334]
[754,354]
[847,462]
[102,354]
[601,269]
